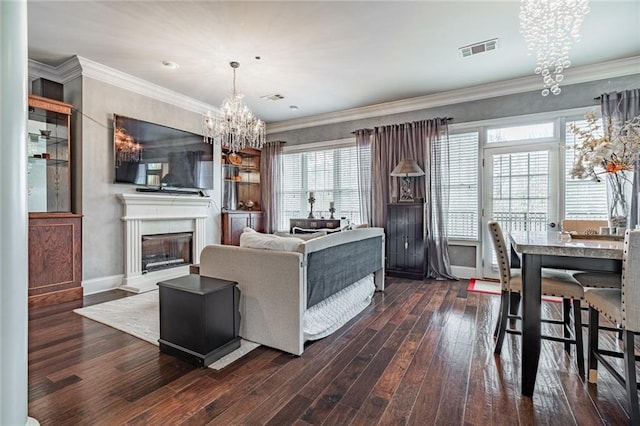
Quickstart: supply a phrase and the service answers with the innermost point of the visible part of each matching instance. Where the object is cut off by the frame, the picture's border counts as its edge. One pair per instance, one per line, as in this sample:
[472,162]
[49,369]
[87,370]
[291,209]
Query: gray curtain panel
[427,142]
[271,171]
[363,149]
[623,106]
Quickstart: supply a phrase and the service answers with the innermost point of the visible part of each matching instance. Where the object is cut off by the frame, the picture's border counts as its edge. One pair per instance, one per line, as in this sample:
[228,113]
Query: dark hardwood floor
[421,353]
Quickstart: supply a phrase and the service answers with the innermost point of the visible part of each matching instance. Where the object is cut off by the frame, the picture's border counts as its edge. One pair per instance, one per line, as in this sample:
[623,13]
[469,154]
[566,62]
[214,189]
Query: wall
[463,258]
[103,230]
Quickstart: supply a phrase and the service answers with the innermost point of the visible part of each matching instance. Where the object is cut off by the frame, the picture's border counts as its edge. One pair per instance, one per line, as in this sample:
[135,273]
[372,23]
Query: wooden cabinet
[300,226]
[405,235]
[233,222]
[55,258]
[241,180]
[55,233]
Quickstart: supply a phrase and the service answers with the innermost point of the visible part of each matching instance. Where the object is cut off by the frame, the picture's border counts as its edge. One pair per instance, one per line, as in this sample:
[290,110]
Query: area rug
[478,285]
[139,316]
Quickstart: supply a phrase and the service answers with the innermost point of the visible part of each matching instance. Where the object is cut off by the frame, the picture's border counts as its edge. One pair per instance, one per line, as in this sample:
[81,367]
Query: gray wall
[103,230]
[572,96]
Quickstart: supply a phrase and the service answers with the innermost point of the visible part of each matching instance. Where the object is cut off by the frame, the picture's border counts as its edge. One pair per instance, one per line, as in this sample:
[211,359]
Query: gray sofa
[278,287]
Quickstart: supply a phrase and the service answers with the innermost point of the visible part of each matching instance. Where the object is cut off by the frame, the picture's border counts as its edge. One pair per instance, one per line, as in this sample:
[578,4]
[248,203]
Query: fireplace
[153,223]
[164,251]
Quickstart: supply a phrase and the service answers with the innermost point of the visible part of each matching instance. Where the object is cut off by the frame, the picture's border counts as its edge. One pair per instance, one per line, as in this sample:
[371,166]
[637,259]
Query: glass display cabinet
[55,233]
[48,177]
[241,194]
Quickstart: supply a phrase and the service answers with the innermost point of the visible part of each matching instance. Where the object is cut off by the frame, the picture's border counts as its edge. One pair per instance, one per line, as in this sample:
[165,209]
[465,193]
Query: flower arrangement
[611,150]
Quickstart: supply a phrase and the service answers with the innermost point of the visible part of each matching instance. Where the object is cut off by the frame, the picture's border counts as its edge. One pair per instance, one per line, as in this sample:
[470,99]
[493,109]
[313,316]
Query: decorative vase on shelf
[619,198]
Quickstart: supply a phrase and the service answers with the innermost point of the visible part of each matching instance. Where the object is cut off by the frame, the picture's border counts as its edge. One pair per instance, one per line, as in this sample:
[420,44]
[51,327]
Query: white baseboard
[99,285]
[464,272]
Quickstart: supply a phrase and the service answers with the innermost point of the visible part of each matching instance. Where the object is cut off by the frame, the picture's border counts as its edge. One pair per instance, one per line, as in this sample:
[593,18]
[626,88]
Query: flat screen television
[160,157]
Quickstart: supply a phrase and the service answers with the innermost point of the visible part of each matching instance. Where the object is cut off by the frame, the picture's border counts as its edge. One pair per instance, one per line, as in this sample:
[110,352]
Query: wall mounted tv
[160,157]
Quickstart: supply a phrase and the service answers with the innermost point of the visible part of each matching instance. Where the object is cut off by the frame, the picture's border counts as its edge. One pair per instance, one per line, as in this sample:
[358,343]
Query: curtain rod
[445,118]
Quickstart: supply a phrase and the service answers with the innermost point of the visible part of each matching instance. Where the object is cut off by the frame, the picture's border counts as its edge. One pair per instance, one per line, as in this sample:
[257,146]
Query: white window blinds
[578,190]
[462,218]
[332,175]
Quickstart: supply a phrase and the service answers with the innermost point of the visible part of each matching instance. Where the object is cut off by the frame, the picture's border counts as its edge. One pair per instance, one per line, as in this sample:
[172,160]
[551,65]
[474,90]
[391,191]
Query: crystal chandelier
[550,28]
[236,127]
[127,149]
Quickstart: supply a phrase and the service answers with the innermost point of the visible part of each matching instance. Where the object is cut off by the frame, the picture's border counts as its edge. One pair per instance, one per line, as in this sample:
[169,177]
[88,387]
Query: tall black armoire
[405,235]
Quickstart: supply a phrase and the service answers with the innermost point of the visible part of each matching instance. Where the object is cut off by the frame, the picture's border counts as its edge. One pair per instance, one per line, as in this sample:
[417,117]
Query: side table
[199,318]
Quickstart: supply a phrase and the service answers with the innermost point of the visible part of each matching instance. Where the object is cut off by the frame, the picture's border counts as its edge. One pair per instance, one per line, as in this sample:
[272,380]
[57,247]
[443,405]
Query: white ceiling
[321,56]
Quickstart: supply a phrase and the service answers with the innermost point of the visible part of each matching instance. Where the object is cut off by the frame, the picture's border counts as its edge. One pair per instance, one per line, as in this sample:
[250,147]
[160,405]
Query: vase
[619,198]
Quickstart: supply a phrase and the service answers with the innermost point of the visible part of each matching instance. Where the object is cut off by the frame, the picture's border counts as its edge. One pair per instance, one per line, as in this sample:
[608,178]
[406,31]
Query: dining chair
[554,283]
[621,306]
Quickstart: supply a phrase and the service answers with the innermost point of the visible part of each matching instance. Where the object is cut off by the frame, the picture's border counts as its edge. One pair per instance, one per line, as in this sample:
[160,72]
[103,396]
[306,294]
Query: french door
[521,187]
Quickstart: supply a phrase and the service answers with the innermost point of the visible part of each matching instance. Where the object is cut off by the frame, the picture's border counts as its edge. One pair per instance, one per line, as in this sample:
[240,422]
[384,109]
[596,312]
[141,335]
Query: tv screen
[160,157]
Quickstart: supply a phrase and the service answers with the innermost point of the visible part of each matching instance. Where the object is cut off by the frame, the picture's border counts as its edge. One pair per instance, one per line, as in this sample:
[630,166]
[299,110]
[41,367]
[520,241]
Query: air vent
[274,97]
[476,48]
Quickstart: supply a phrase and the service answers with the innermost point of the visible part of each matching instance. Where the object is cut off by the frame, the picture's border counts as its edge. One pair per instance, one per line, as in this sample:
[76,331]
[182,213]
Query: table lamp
[407,169]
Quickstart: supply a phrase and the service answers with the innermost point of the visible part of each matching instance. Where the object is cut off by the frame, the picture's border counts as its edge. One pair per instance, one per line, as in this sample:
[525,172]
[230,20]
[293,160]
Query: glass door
[520,192]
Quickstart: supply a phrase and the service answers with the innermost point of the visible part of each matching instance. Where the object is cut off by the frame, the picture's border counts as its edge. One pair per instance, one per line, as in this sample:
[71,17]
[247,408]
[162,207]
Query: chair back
[631,281]
[582,226]
[502,255]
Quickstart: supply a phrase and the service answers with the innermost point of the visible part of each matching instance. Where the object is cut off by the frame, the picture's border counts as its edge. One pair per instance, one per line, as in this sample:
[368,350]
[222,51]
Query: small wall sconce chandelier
[127,149]
[406,169]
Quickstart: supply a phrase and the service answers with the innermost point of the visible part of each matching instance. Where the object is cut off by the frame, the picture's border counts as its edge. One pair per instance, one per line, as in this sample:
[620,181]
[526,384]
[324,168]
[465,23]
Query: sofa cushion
[256,240]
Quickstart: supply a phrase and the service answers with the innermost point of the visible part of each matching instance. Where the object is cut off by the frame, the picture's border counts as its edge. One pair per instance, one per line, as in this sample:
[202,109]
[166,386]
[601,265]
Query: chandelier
[127,149]
[236,127]
[550,28]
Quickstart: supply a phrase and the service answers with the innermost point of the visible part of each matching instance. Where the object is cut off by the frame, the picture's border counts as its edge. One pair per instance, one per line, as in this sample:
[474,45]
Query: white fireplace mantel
[146,214]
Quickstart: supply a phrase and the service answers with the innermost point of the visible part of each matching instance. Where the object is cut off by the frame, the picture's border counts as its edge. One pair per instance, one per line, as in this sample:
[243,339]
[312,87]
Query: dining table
[533,250]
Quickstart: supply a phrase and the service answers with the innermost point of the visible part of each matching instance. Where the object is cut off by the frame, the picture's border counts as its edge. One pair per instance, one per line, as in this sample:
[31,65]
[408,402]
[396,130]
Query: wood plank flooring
[420,354]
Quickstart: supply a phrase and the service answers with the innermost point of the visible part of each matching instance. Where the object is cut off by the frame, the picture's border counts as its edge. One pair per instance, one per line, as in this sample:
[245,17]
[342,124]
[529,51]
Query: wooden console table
[312,225]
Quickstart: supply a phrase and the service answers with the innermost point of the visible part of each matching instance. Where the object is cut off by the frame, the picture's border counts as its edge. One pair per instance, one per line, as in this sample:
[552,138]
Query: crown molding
[79,66]
[584,74]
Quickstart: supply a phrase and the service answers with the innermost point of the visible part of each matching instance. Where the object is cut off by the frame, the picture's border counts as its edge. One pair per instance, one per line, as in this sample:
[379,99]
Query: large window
[462,217]
[331,174]
[578,190]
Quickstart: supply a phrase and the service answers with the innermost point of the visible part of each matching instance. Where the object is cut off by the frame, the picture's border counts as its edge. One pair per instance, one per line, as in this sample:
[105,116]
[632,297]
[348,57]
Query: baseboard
[464,272]
[99,285]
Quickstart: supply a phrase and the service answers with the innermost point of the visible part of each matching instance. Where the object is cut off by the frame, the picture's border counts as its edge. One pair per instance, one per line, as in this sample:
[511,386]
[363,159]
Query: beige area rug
[139,316]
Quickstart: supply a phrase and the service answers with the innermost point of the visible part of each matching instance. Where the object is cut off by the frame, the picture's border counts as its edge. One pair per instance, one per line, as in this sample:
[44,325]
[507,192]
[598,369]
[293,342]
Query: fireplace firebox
[163,251]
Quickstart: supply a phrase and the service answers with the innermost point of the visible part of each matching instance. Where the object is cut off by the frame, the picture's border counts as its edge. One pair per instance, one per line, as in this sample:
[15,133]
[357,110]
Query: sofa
[288,283]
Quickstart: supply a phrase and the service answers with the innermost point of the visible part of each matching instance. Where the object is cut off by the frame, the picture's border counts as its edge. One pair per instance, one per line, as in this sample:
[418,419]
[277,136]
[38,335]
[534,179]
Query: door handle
[406,243]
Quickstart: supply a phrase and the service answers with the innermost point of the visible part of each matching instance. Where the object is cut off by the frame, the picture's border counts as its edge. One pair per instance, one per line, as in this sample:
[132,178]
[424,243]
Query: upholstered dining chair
[621,306]
[554,283]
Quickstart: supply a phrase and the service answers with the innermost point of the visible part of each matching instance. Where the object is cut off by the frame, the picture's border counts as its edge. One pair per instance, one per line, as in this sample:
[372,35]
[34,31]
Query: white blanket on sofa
[327,316]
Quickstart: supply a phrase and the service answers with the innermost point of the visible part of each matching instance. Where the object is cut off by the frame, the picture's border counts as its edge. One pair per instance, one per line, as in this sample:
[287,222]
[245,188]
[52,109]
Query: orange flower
[613,167]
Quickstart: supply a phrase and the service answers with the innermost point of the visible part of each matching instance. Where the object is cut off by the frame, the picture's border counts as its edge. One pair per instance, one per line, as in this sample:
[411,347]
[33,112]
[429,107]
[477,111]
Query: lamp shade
[407,168]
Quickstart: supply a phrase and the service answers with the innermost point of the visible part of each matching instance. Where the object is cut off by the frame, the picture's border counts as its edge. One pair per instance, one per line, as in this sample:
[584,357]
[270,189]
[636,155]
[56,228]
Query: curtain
[623,106]
[426,142]
[271,171]
[437,177]
[363,151]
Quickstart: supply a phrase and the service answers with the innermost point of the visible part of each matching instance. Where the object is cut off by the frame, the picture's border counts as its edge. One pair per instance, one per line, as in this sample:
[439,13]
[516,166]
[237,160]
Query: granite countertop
[549,243]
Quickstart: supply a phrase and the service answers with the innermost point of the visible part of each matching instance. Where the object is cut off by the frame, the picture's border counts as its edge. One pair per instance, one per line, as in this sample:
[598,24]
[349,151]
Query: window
[462,218]
[578,190]
[521,133]
[332,174]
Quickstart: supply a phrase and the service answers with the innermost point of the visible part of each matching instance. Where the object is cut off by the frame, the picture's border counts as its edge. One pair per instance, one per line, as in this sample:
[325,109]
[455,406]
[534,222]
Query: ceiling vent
[476,48]
[274,97]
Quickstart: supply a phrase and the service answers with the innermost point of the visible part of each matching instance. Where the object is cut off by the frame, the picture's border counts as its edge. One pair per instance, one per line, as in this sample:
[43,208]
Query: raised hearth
[159,214]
